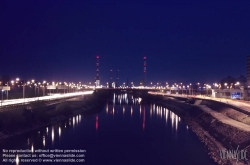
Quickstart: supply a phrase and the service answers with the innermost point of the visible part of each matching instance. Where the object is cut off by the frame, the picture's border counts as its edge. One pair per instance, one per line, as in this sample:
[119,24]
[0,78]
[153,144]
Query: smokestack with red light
[97,79]
[145,65]
[111,79]
[117,77]
[111,75]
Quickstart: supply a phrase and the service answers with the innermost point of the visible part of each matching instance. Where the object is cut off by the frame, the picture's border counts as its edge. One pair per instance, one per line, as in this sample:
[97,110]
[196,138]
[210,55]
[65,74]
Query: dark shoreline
[213,133]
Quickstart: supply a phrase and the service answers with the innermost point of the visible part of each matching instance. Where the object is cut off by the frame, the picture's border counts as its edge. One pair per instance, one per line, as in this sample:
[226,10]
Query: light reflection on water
[52,135]
[17,159]
[32,148]
[43,141]
[59,131]
[96,122]
[154,110]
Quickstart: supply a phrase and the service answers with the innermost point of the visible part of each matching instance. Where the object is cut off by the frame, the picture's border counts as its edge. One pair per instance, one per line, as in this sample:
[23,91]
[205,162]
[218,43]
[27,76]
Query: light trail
[53,97]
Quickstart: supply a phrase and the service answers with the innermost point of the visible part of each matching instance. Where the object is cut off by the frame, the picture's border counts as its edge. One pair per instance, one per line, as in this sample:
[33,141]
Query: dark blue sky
[183,41]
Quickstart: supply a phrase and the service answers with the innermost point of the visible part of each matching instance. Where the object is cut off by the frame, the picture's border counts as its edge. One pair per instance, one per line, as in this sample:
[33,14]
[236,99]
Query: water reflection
[154,110]
[140,110]
[131,110]
[144,119]
[80,118]
[96,122]
[150,111]
[32,148]
[52,134]
[113,110]
[166,115]
[59,130]
[17,159]
[107,108]
[44,141]
[73,121]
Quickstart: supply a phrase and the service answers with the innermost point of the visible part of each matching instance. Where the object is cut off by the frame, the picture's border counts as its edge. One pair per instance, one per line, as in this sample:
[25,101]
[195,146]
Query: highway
[55,96]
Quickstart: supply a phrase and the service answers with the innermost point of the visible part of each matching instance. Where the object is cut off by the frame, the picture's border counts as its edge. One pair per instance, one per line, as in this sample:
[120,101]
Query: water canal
[124,132]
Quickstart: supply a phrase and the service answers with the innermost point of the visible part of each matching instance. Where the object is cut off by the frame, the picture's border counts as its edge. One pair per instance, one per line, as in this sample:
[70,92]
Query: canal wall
[215,134]
[18,121]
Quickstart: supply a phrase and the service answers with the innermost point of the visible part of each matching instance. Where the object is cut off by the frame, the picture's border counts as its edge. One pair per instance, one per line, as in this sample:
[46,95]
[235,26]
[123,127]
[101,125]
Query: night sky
[183,41]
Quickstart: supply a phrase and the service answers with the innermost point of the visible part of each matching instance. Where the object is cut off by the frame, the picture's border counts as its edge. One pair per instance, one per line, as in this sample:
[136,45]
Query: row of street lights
[69,86]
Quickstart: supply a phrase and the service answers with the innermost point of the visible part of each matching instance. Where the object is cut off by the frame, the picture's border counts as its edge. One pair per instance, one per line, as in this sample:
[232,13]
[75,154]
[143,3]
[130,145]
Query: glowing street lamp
[237,84]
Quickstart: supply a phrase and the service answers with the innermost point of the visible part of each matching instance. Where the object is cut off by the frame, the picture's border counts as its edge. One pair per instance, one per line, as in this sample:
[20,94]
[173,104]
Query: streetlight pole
[207,89]
[35,89]
[2,93]
[68,87]
[44,90]
[7,90]
[23,92]
[64,88]
[38,89]
[2,98]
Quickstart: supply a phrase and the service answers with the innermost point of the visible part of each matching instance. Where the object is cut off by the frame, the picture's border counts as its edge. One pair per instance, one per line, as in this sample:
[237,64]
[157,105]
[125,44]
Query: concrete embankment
[18,121]
[214,133]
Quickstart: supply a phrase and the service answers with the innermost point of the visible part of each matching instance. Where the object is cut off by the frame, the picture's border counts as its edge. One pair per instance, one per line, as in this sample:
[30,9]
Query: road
[219,116]
[244,105]
[55,96]
[226,120]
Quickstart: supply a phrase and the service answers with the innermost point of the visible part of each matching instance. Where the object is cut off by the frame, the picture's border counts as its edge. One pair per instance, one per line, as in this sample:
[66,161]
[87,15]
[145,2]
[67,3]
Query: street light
[191,89]
[38,88]
[237,84]
[35,88]
[198,86]
[44,83]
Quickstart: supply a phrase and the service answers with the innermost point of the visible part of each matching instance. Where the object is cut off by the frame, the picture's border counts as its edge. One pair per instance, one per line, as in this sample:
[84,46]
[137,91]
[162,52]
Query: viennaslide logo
[234,154]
